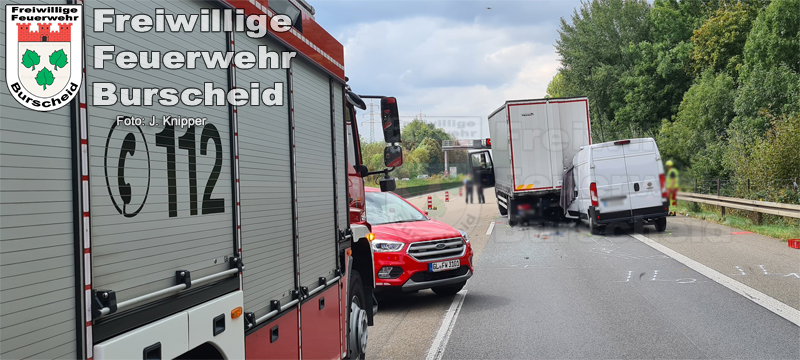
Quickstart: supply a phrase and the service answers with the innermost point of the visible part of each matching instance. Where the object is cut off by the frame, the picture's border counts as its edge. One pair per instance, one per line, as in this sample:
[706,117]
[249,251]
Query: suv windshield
[387,208]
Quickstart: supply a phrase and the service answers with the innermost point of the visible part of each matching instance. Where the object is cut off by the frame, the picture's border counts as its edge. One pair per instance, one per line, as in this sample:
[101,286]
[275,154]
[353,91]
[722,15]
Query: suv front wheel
[449,289]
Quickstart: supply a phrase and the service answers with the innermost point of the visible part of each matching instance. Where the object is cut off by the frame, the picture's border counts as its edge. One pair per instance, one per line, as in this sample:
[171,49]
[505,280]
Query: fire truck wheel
[357,318]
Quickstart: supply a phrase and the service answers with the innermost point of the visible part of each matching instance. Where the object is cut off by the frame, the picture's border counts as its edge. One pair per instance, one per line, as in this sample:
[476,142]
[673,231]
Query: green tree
[417,130]
[558,88]
[771,157]
[592,50]
[770,75]
[775,37]
[418,161]
[719,42]
[701,125]
[655,86]
[436,160]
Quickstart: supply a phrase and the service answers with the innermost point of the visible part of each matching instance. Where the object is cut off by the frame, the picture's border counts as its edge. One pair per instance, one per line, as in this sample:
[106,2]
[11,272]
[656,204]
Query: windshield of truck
[387,208]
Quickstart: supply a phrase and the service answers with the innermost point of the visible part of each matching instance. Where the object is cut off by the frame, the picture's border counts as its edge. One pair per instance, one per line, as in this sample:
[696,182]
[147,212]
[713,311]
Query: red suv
[412,251]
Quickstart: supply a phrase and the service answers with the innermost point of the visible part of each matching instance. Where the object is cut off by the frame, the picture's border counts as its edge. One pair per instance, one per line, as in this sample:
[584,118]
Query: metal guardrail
[764,207]
[425,189]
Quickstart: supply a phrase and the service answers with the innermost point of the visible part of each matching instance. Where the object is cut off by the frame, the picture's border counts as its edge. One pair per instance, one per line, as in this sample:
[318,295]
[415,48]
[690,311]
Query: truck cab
[356,172]
[482,168]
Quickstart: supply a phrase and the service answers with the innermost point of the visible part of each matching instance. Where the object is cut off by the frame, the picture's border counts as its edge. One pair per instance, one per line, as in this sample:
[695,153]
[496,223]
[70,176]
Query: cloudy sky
[447,58]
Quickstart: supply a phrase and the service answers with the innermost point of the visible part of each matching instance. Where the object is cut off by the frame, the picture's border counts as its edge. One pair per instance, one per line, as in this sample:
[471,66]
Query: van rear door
[642,161]
[611,179]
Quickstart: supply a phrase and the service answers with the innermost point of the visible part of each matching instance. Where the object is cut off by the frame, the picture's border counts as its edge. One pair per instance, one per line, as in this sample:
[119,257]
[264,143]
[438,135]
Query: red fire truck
[239,235]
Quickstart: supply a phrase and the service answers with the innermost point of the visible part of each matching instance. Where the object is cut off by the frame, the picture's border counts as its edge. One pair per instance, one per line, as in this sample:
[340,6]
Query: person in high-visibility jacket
[673,179]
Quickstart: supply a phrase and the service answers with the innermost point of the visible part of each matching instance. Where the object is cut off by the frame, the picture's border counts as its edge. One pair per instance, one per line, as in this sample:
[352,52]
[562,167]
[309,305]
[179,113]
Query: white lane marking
[785,311]
[440,341]
[491,227]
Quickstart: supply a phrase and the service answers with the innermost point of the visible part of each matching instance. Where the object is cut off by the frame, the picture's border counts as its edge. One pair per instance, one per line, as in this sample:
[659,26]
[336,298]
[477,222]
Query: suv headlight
[386,246]
[464,235]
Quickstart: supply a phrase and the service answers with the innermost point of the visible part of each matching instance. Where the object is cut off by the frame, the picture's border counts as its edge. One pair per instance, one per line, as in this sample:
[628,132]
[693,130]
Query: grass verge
[779,231]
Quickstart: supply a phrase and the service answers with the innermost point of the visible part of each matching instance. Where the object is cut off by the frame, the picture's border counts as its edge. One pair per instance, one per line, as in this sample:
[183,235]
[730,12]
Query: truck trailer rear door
[530,156]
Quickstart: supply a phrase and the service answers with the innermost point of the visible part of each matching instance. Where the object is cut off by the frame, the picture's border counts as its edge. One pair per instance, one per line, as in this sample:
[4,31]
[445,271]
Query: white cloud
[446,68]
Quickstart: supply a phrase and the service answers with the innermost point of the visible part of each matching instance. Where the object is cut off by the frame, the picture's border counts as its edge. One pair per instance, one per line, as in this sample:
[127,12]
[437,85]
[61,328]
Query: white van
[619,182]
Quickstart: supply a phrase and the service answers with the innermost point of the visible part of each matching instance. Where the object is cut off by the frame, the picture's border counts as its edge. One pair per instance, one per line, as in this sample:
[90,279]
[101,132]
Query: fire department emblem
[44,54]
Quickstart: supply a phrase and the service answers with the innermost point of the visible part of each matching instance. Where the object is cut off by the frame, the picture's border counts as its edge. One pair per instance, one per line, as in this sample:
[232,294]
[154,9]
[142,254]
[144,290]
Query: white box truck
[123,238]
[619,182]
[533,143]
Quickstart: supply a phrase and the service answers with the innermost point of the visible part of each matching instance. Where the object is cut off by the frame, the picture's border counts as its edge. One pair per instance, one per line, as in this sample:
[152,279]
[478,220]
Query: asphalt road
[559,292]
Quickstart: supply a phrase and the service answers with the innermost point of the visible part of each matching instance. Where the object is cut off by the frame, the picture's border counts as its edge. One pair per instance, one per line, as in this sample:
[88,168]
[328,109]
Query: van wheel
[357,318]
[661,224]
[594,228]
[503,211]
[449,289]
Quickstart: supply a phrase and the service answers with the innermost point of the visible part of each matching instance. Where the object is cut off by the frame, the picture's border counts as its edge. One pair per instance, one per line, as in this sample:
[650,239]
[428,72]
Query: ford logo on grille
[440,246]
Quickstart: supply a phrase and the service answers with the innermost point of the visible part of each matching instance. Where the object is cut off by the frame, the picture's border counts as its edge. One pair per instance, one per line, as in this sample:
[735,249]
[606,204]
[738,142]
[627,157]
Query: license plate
[613,203]
[444,265]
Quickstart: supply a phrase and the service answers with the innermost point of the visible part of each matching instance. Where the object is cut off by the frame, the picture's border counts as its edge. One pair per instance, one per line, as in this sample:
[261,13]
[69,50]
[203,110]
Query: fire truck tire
[357,318]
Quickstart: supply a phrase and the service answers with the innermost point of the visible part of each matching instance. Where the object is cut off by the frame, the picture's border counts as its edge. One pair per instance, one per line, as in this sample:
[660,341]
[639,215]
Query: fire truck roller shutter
[341,153]
[316,222]
[37,308]
[266,190]
[161,196]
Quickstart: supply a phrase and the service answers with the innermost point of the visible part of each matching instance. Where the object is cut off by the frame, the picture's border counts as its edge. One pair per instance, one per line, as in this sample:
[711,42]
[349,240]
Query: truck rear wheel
[356,318]
[503,211]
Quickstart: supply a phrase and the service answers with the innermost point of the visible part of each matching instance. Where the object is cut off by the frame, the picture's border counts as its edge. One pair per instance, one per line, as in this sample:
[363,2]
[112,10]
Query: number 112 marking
[166,139]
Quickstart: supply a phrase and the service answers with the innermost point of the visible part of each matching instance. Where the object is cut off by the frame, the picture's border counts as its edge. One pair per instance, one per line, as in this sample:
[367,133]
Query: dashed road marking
[440,341]
[491,227]
[785,311]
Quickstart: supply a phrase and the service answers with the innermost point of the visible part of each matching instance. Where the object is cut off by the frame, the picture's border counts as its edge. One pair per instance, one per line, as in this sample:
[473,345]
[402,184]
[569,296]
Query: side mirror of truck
[362,170]
[393,156]
[390,120]
[388,184]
